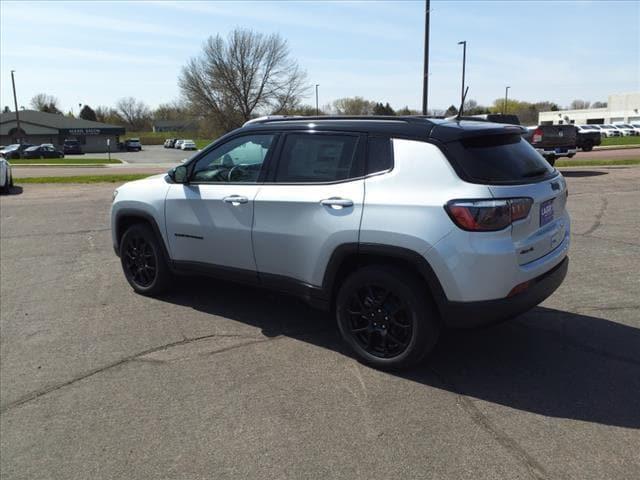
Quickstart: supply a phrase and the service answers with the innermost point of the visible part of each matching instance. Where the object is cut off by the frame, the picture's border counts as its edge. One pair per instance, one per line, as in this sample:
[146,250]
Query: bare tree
[174,110]
[579,104]
[107,115]
[353,106]
[247,74]
[599,105]
[45,103]
[135,113]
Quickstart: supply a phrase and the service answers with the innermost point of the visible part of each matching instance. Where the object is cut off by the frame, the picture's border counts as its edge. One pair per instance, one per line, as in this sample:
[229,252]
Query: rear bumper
[473,314]
[551,152]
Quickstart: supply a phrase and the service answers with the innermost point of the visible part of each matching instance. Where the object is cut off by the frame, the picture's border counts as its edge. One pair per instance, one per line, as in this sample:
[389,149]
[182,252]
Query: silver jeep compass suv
[399,225]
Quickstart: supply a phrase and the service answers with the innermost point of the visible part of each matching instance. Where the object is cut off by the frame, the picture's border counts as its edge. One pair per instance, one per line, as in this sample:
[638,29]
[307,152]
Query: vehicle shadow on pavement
[548,362]
[15,190]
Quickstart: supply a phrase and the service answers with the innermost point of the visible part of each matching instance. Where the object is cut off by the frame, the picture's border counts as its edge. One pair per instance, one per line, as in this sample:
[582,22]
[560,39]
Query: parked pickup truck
[588,137]
[553,141]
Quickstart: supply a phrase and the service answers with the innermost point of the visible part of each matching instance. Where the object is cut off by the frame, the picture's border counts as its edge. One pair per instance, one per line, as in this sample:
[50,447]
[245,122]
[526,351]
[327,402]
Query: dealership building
[40,127]
[621,108]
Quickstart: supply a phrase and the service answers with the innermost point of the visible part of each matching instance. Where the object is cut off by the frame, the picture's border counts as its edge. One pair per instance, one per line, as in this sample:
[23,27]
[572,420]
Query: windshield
[11,147]
[499,159]
[32,149]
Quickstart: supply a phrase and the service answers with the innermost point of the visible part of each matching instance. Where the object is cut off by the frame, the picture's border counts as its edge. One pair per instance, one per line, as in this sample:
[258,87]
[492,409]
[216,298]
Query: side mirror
[179,174]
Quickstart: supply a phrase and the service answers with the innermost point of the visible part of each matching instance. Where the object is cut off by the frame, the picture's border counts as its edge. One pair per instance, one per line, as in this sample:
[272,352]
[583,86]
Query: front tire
[143,261]
[386,316]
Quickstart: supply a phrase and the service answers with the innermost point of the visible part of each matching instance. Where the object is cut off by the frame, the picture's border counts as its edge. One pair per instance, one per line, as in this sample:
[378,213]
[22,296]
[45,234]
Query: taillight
[537,135]
[488,215]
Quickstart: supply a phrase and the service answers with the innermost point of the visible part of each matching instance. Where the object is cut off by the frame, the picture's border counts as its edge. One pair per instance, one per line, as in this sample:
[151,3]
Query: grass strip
[116,178]
[630,140]
[597,163]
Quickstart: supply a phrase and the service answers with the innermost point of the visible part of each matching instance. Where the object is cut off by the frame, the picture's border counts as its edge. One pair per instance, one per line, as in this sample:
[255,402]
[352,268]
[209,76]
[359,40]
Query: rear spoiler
[470,128]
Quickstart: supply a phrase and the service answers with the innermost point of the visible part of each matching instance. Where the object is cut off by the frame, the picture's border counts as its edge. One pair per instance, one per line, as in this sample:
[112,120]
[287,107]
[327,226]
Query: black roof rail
[364,118]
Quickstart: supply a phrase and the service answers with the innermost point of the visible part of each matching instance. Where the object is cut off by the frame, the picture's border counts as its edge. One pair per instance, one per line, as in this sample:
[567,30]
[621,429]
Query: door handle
[337,202]
[235,199]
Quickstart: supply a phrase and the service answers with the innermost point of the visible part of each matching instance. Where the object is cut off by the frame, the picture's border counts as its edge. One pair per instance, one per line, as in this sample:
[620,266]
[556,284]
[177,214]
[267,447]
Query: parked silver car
[399,225]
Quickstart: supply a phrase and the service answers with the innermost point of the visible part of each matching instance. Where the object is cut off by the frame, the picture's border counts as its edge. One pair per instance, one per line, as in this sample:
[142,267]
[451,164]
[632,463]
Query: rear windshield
[499,159]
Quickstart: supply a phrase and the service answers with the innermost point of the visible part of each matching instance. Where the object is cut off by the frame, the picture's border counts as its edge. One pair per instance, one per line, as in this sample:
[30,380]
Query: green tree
[451,111]
[87,113]
[406,111]
[380,109]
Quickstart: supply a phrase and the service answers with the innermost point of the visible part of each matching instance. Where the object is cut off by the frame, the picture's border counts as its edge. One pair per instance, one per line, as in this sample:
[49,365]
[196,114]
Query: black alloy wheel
[379,321]
[140,261]
[143,260]
[386,315]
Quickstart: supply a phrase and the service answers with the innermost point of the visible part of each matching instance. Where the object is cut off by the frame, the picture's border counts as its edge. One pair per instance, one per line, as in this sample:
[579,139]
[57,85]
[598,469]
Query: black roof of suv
[417,127]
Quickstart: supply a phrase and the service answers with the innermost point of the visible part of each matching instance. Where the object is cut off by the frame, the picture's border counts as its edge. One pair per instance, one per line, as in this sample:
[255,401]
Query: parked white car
[178,143]
[626,129]
[636,126]
[589,129]
[188,145]
[6,178]
[610,131]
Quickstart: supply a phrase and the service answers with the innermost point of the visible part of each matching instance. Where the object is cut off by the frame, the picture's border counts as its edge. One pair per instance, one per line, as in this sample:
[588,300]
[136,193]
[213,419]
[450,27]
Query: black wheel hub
[379,321]
[140,261]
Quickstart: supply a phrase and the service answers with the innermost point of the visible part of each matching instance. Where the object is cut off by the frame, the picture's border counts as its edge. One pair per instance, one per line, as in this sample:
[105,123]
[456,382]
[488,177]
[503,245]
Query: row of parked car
[615,130]
[180,143]
[27,150]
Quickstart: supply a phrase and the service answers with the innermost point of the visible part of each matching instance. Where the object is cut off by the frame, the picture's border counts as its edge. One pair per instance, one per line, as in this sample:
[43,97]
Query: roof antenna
[464,97]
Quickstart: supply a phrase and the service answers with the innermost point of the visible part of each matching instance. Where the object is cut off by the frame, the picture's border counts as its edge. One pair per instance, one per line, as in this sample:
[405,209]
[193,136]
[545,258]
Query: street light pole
[506,94]
[15,102]
[425,79]
[317,109]
[464,62]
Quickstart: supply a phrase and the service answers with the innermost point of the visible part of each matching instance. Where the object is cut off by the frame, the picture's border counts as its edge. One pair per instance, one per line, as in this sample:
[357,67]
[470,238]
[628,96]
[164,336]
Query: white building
[621,108]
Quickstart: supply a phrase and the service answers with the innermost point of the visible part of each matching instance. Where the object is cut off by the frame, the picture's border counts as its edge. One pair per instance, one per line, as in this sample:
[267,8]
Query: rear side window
[499,159]
[380,155]
[318,158]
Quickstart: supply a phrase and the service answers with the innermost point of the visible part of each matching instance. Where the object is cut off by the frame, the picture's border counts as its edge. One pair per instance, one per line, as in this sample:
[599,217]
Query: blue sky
[96,52]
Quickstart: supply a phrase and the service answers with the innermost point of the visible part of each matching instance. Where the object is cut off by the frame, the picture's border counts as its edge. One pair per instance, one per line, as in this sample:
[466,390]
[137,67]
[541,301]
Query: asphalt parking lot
[220,381]
[149,154]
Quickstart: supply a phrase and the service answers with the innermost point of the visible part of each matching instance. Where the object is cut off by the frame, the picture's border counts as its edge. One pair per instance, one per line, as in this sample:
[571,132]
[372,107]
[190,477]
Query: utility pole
[425,79]
[506,94]
[464,62]
[15,102]
[317,109]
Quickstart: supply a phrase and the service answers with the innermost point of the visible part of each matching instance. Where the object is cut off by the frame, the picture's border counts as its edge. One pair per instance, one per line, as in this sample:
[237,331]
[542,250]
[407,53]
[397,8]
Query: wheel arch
[127,217]
[349,257]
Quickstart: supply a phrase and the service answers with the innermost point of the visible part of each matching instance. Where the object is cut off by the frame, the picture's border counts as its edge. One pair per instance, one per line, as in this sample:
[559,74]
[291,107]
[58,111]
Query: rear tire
[143,261]
[587,147]
[386,316]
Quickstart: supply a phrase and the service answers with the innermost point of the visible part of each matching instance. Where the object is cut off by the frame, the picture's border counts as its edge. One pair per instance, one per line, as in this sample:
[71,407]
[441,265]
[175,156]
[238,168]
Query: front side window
[309,157]
[237,161]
